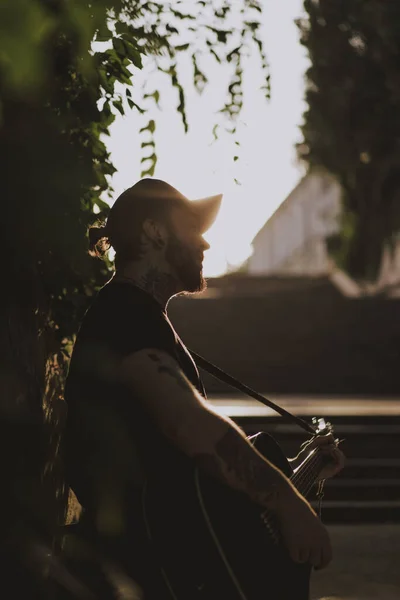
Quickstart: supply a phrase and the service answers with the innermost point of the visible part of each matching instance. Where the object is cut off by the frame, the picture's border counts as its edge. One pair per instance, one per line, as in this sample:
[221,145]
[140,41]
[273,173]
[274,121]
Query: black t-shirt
[105,423]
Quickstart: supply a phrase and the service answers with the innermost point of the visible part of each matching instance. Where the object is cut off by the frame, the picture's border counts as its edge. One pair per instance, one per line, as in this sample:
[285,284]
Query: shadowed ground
[366,564]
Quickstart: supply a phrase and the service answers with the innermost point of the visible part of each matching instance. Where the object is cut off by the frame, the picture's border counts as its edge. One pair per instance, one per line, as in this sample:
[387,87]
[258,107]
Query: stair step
[378,446]
[359,504]
[346,483]
[343,511]
[369,490]
[360,468]
[373,462]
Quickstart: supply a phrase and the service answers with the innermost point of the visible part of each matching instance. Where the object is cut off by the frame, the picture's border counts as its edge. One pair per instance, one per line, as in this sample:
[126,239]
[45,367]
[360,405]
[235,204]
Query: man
[136,404]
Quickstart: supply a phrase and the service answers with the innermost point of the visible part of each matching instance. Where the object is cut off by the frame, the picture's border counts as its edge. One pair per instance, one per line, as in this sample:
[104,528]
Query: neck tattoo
[160,285]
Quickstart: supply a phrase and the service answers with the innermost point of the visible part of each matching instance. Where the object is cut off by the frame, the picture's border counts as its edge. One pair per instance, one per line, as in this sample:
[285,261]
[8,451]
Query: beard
[186,265]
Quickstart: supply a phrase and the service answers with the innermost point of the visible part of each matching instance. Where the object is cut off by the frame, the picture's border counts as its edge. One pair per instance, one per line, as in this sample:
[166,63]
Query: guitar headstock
[322,427]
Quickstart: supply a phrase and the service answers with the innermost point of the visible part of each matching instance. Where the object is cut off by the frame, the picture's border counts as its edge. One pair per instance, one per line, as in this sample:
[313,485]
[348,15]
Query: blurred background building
[293,240]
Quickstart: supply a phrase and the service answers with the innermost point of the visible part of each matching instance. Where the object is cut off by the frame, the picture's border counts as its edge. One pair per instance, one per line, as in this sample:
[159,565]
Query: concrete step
[296,341]
[370,489]
[360,468]
[344,511]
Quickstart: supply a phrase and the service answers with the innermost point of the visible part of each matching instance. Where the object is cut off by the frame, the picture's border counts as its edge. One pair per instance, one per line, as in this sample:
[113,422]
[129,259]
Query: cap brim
[206,210]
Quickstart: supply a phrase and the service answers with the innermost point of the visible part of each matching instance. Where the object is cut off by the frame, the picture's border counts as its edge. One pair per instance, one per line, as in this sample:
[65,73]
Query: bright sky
[197,167]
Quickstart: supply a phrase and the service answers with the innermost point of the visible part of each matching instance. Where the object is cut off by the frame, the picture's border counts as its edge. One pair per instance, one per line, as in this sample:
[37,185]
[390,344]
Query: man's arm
[221,448]
[215,443]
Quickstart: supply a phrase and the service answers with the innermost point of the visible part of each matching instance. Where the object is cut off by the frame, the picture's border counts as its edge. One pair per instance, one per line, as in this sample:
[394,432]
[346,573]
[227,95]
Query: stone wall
[299,337]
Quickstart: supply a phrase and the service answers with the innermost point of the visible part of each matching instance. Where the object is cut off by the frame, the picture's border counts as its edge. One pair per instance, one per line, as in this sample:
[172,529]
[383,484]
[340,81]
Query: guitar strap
[235,383]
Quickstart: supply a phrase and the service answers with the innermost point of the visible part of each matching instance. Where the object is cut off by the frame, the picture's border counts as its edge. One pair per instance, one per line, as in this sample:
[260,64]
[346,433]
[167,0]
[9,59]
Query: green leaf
[182,16]
[182,47]
[102,205]
[103,33]
[235,53]
[133,104]
[119,46]
[215,55]
[252,25]
[153,162]
[215,132]
[124,28]
[133,54]
[155,95]
[151,126]
[119,106]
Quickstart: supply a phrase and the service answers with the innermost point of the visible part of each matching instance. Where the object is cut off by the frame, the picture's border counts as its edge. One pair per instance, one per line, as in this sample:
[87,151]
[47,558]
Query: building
[293,240]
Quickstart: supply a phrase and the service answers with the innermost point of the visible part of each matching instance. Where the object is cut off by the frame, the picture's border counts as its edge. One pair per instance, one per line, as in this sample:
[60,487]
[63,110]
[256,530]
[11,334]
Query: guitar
[213,543]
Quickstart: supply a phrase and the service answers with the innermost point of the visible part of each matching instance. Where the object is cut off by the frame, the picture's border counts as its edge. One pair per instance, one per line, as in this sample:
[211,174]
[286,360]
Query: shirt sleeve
[114,328]
[145,328]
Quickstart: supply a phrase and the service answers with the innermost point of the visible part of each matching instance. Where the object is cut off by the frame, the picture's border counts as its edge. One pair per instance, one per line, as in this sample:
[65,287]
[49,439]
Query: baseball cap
[148,193]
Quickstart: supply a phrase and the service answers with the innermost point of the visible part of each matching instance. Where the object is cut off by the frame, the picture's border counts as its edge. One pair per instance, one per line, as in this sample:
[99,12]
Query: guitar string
[307,474]
[304,478]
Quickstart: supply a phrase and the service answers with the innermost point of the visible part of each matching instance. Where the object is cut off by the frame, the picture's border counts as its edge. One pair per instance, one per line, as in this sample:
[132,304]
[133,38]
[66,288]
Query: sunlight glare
[197,166]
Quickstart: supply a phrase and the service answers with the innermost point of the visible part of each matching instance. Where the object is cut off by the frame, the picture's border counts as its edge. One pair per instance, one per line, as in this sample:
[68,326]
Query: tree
[352,126]
[59,94]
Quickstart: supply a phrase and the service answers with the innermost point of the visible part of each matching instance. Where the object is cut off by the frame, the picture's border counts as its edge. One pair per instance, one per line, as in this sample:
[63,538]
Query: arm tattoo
[169,371]
[233,460]
[238,464]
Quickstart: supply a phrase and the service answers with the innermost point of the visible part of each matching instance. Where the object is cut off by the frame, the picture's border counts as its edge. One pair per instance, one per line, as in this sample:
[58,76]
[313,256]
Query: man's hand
[222,450]
[304,535]
[328,447]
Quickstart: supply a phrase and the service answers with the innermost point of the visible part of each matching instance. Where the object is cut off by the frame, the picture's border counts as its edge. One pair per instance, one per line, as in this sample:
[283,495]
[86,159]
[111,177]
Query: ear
[156,232]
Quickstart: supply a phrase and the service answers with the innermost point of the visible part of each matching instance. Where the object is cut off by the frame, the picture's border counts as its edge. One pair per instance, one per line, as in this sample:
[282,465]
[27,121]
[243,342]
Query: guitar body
[211,541]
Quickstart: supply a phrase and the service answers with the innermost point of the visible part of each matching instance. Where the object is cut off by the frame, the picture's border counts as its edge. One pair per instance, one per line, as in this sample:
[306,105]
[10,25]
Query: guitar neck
[306,475]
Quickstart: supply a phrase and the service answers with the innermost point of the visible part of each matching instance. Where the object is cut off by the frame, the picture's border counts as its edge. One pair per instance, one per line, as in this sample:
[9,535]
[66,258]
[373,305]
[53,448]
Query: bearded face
[185,250]
[186,260]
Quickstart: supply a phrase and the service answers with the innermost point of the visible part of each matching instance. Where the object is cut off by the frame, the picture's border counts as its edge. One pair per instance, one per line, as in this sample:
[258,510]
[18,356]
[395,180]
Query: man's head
[153,222]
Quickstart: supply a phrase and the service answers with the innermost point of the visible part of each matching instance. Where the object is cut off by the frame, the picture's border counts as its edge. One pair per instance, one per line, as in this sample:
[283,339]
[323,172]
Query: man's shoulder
[116,300]
[123,315]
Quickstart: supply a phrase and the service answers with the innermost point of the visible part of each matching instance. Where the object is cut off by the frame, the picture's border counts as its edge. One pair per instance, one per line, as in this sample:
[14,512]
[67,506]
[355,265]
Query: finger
[337,457]
[316,558]
[326,555]
[322,440]
[334,466]
[304,555]
[327,448]
[299,555]
[323,562]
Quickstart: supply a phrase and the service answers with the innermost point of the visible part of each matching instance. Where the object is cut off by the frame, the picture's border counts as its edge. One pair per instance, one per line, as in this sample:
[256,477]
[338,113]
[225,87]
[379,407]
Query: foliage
[352,125]
[59,98]
[59,94]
